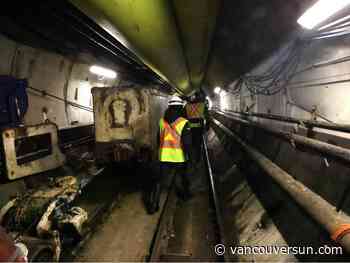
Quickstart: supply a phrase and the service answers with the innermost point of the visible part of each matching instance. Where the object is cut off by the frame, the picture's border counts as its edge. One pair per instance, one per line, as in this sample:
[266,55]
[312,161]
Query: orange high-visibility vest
[195,110]
[170,141]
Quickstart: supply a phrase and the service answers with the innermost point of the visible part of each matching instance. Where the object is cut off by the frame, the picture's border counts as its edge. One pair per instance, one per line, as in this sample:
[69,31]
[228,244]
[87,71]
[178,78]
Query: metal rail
[324,148]
[217,205]
[317,207]
[160,242]
[306,122]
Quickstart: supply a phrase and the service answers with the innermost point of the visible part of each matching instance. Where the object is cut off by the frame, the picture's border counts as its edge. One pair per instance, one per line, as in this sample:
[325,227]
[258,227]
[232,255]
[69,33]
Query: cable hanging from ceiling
[277,76]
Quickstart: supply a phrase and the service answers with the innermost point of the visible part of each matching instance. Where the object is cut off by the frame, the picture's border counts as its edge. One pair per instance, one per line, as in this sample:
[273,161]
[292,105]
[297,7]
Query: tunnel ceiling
[248,32]
[183,43]
[59,27]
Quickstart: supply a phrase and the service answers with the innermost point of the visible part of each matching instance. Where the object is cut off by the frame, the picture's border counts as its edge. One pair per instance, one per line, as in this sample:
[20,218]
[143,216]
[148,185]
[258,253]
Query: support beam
[319,209]
[324,148]
[307,123]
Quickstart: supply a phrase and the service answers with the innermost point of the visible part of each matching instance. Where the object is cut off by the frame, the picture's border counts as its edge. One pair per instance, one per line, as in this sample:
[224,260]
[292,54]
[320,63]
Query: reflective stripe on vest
[195,125]
[170,141]
[195,110]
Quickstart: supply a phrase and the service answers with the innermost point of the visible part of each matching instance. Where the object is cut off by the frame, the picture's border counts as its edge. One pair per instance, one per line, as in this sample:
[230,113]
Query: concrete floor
[125,235]
[194,233]
[127,232]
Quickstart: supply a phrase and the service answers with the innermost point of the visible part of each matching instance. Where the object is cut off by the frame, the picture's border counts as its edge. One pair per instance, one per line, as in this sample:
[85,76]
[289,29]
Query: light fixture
[104,72]
[321,11]
[217,90]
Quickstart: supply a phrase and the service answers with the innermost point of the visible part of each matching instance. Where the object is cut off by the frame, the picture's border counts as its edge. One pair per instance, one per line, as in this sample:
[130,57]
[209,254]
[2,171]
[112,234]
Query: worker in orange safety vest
[196,113]
[175,152]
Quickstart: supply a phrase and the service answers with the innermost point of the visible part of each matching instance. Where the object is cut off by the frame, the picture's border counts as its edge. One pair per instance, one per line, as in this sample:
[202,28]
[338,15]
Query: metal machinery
[30,150]
[126,122]
[40,215]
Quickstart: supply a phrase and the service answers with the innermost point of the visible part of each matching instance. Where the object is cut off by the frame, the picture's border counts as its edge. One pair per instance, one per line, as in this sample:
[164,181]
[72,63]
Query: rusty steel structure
[126,121]
[22,159]
[318,208]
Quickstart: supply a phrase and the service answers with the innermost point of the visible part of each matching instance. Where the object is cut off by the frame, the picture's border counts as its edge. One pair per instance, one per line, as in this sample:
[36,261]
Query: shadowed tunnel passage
[84,85]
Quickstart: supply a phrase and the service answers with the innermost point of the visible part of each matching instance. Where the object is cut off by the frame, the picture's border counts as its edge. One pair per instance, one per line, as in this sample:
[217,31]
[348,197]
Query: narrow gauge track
[201,225]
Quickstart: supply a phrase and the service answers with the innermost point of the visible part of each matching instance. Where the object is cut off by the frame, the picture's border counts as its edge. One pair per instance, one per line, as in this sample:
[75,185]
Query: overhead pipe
[317,145]
[336,223]
[306,122]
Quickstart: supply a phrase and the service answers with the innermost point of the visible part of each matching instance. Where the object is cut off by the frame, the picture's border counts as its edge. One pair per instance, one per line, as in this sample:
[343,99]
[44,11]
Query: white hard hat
[175,100]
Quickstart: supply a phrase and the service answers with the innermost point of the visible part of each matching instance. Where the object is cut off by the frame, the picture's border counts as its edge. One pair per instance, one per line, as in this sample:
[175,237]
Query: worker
[11,251]
[175,152]
[196,113]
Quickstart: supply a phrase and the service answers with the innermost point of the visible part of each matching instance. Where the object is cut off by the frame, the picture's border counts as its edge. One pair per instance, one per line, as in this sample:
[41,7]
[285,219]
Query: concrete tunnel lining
[256,211]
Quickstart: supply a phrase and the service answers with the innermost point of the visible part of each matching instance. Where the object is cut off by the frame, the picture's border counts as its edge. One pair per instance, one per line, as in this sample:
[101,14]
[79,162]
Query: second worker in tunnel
[175,151]
[196,113]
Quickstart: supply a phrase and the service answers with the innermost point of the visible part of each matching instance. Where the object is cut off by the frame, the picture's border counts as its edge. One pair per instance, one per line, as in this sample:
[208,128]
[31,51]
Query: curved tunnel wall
[65,77]
[326,90]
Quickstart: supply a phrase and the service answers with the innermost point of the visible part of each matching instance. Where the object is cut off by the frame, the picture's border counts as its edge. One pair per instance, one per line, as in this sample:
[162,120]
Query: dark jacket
[171,115]
[206,114]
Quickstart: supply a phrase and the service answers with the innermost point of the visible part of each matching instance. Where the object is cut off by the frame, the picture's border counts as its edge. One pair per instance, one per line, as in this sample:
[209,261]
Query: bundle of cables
[277,76]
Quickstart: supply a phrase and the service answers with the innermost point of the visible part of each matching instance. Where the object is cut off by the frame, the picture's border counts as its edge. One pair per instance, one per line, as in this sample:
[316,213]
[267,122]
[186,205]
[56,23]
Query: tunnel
[91,168]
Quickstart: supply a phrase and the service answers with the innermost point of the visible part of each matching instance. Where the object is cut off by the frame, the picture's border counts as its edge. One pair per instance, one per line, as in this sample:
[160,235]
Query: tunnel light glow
[217,90]
[321,11]
[336,22]
[223,100]
[84,93]
[104,72]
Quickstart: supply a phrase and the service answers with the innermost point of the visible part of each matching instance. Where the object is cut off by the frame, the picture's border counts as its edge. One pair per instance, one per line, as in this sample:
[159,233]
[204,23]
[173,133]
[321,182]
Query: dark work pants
[168,173]
[197,136]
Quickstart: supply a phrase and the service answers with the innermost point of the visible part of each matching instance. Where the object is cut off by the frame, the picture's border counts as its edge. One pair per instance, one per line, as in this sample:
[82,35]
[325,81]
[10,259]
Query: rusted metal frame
[318,208]
[218,209]
[324,148]
[306,122]
[75,136]
[51,161]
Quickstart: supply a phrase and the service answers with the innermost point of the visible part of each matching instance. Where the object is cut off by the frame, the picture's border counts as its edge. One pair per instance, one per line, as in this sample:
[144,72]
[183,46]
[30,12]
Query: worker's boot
[153,202]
